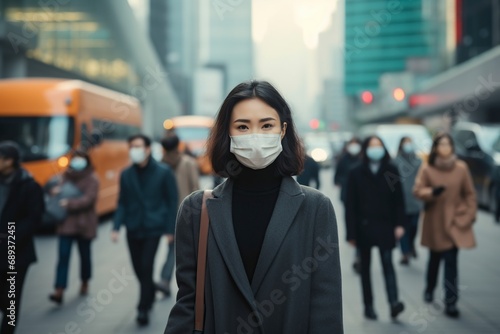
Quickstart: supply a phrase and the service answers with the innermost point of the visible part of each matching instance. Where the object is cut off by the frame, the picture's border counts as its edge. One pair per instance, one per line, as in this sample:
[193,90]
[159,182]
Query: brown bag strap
[199,307]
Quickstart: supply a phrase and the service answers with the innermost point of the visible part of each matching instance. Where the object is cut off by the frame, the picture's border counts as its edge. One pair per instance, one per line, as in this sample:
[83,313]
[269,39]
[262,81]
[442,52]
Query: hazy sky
[285,33]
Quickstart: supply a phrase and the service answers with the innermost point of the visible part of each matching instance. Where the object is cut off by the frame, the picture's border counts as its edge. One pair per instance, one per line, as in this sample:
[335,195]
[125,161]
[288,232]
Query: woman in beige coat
[445,185]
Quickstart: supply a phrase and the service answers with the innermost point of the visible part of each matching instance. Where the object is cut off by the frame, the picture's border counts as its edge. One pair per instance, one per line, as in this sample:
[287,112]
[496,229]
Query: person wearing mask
[272,249]
[375,217]
[21,209]
[147,207]
[310,172]
[445,185]
[187,177]
[80,224]
[408,165]
[350,158]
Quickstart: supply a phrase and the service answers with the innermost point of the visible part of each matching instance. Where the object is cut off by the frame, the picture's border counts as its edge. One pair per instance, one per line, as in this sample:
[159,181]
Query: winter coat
[346,164]
[408,166]
[297,283]
[148,207]
[186,173]
[82,217]
[374,206]
[448,218]
[24,206]
[310,173]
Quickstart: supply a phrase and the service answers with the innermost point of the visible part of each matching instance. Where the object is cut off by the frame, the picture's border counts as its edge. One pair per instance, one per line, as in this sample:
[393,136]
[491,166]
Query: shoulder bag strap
[199,308]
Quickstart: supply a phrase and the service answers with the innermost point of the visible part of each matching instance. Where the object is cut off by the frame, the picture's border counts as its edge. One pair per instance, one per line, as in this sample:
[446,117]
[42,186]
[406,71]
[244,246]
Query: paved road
[110,307]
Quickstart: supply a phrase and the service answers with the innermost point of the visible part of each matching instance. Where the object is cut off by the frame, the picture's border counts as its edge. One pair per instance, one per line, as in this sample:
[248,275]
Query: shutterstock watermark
[293,278]
[93,305]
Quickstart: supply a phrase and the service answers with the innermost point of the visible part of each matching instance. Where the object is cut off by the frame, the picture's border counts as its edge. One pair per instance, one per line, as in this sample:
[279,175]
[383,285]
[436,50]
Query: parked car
[479,146]
[391,135]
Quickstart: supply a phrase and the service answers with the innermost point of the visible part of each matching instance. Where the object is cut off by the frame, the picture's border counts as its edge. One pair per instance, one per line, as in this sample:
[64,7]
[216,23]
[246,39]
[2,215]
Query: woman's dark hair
[364,147]
[291,159]
[82,154]
[170,143]
[401,142]
[146,139]
[435,143]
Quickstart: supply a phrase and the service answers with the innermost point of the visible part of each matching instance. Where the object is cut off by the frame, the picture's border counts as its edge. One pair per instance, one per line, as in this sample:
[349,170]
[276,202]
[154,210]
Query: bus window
[39,138]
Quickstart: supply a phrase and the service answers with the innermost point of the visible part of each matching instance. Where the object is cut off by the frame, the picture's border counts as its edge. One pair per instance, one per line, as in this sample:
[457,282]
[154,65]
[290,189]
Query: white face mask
[354,149]
[256,151]
[137,154]
[78,163]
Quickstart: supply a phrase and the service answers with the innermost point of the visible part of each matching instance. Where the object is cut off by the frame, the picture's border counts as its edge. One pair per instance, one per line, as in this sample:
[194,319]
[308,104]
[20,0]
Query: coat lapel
[287,205]
[221,225]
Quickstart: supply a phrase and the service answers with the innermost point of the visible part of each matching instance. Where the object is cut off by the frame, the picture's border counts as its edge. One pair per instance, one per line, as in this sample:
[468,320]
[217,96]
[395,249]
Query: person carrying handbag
[80,223]
[271,251]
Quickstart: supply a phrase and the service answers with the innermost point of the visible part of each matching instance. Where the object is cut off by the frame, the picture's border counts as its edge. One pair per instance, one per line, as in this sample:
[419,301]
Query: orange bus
[49,118]
[193,133]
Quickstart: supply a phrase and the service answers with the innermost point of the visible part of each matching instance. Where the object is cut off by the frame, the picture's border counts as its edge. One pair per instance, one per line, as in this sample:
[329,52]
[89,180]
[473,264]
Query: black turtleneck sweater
[254,196]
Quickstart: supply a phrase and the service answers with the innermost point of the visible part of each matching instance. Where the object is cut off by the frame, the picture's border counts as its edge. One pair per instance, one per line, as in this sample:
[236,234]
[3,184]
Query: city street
[110,306]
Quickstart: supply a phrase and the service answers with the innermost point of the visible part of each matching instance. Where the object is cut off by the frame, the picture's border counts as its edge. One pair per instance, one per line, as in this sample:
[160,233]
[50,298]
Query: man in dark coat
[147,206]
[310,173]
[21,209]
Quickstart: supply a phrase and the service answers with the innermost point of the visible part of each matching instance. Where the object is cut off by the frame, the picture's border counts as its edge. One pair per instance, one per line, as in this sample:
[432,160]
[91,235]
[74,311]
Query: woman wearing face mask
[445,184]
[408,165]
[375,215]
[351,157]
[80,225]
[272,245]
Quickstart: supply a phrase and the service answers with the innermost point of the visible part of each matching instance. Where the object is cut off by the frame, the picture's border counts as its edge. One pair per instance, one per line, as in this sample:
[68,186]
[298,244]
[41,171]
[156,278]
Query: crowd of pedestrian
[262,222]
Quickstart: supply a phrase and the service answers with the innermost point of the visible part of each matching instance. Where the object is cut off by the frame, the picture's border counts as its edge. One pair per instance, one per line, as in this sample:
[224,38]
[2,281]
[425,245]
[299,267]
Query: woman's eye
[267,126]
[242,127]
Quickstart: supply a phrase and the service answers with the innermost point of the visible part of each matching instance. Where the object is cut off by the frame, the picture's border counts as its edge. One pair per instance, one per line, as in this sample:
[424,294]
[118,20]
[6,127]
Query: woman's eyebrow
[267,119]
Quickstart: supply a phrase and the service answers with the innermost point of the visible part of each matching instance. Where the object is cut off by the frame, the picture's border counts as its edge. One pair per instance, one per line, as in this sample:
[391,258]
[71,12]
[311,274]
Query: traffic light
[367,97]
[314,123]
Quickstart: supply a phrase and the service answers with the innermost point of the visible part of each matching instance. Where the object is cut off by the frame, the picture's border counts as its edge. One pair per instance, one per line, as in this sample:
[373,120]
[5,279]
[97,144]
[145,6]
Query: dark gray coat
[297,284]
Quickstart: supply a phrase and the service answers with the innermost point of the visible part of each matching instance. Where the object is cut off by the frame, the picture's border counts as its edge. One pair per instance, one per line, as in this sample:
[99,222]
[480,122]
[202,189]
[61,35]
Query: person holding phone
[445,185]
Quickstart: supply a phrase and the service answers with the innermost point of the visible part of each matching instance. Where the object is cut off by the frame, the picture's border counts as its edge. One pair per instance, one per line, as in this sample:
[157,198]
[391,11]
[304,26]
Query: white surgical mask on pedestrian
[408,148]
[256,151]
[78,163]
[375,153]
[137,154]
[354,149]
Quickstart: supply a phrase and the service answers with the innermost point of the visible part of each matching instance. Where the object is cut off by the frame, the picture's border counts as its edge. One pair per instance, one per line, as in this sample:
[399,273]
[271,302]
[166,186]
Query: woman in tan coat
[445,185]
[80,225]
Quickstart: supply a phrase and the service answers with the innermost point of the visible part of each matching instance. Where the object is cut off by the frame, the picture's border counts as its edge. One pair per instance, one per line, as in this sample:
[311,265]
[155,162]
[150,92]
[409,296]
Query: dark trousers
[450,273]
[5,301]
[389,275]
[65,243]
[407,242]
[168,267]
[142,253]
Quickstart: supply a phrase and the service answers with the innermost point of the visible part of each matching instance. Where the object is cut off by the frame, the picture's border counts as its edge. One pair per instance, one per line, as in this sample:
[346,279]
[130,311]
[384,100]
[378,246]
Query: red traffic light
[367,97]
[314,123]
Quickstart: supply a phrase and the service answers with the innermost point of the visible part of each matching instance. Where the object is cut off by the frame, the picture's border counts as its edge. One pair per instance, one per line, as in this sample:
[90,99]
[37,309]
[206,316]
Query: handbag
[199,306]
[54,213]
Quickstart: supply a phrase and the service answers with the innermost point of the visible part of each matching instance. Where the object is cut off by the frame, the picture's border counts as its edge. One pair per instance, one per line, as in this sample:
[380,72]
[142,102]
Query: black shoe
[370,313]
[142,318]
[163,288]
[56,299]
[404,261]
[428,297]
[452,311]
[396,309]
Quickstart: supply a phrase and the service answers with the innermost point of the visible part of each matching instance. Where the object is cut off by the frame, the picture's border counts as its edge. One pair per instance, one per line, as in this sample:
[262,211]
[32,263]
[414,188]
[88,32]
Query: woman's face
[444,148]
[254,116]
[374,142]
